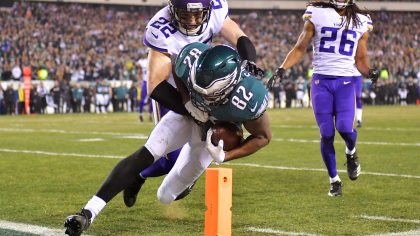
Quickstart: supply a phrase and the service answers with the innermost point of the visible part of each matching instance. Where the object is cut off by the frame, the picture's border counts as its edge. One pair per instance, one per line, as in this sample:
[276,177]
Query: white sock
[332,180]
[350,152]
[95,205]
[359,114]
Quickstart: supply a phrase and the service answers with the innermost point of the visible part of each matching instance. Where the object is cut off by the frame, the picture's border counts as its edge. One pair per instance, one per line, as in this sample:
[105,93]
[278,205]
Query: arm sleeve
[246,49]
[169,97]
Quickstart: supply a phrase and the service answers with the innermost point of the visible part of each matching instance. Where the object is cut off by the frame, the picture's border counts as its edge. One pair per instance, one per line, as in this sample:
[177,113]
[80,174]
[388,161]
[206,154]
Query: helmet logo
[194,7]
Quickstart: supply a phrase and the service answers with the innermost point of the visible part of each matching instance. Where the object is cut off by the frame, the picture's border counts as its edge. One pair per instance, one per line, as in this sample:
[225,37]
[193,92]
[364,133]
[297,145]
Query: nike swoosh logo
[347,82]
[156,36]
[252,110]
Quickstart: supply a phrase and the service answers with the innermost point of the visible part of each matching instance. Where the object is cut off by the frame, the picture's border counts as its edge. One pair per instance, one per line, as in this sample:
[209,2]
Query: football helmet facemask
[342,5]
[213,77]
[179,8]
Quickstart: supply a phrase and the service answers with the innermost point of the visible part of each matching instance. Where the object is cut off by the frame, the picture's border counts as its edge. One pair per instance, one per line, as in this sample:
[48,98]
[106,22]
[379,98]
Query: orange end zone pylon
[218,218]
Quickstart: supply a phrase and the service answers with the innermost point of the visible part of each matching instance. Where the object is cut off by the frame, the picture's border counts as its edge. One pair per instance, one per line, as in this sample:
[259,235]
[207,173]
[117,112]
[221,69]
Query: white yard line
[405,233]
[89,140]
[58,154]
[313,169]
[358,142]
[142,136]
[367,128]
[66,132]
[237,164]
[33,229]
[389,219]
[272,231]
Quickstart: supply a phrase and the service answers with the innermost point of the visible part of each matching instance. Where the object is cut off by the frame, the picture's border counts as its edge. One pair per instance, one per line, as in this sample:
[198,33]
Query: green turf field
[283,193]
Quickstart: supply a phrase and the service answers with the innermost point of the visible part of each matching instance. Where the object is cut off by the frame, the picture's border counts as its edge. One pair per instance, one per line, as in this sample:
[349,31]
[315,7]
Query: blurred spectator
[402,91]
[114,98]
[56,94]
[412,91]
[77,98]
[289,88]
[132,94]
[6,73]
[366,98]
[21,101]
[87,94]
[42,92]
[9,97]
[122,96]
[66,93]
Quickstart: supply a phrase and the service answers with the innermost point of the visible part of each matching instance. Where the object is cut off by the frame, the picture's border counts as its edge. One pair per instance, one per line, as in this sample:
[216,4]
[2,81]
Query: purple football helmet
[179,7]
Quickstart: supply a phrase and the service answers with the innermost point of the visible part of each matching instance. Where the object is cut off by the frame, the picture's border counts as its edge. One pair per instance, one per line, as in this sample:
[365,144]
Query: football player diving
[221,88]
[178,24]
[339,31]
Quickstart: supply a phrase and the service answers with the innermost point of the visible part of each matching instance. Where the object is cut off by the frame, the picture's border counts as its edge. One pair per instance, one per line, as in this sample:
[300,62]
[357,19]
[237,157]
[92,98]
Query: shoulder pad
[308,13]
[155,39]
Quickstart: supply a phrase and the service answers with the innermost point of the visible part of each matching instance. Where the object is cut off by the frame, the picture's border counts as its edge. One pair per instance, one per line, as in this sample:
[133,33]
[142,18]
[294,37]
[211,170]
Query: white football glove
[196,113]
[215,151]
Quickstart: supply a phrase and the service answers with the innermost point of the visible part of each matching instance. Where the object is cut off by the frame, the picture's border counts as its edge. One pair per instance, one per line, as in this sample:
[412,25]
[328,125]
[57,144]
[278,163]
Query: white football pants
[171,133]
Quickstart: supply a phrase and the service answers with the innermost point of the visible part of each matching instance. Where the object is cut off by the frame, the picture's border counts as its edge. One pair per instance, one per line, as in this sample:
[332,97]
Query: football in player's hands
[229,132]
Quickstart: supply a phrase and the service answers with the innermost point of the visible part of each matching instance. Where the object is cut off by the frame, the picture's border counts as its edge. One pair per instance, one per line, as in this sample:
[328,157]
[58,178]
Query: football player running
[173,27]
[339,31]
[220,87]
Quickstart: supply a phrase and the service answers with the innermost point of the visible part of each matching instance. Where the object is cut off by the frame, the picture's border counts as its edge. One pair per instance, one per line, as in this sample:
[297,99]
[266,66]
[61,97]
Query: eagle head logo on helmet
[213,77]
[341,4]
[181,10]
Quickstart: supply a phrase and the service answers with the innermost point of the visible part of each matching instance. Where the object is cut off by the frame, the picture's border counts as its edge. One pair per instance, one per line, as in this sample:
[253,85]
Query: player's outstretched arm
[260,136]
[295,55]
[362,62]
[302,44]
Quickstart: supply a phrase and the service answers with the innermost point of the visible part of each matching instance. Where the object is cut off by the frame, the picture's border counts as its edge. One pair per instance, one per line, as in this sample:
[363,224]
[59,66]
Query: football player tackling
[339,31]
[221,88]
[180,23]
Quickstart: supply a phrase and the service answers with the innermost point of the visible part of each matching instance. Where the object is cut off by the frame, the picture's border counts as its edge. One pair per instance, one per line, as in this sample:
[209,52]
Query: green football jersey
[247,102]
[102,89]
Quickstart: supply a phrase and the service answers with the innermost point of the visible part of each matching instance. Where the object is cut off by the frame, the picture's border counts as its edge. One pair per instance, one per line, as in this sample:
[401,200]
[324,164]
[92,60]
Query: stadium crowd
[78,42]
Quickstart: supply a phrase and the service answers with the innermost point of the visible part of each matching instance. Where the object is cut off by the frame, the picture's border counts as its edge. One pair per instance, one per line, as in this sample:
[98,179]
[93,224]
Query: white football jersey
[334,49]
[160,35]
[356,72]
[143,64]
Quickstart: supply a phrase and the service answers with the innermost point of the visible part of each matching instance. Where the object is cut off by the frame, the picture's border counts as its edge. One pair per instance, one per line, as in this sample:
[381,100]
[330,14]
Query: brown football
[230,132]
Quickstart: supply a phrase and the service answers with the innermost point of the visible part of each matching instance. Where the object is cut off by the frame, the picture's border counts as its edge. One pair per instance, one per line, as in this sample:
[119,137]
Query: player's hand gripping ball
[229,132]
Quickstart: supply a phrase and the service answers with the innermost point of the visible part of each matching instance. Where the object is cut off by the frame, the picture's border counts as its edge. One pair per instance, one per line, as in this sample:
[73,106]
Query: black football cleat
[77,223]
[353,166]
[131,192]
[336,189]
[185,193]
[141,118]
[358,124]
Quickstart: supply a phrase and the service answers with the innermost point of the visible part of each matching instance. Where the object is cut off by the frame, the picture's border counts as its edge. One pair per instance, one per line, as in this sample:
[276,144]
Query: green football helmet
[213,77]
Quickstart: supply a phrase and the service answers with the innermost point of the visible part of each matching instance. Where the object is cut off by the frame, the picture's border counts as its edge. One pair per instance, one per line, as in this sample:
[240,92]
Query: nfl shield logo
[316,81]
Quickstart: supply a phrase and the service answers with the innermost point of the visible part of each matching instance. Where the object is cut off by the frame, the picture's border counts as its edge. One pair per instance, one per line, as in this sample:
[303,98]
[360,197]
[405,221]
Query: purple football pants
[358,85]
[165,163]
[333,97]
[143,96]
